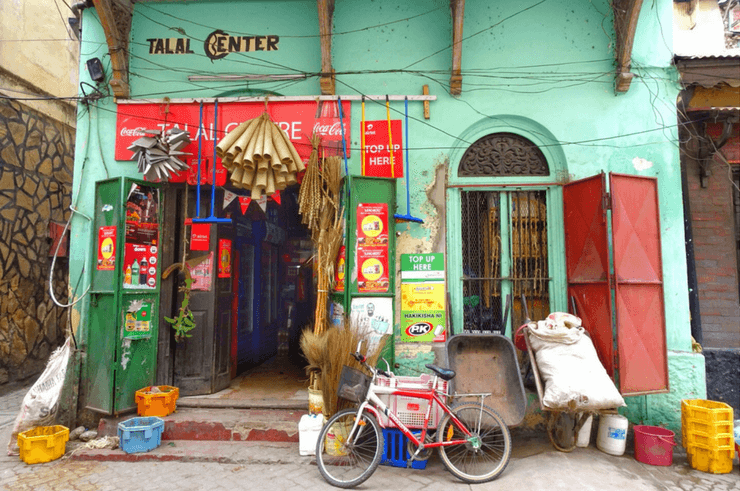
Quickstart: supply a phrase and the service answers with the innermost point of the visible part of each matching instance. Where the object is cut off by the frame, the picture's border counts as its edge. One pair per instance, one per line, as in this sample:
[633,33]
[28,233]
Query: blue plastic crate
[395,452]
[140,434]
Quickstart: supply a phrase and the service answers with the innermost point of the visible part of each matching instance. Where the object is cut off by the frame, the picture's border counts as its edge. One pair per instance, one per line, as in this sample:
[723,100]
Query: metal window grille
[505,256]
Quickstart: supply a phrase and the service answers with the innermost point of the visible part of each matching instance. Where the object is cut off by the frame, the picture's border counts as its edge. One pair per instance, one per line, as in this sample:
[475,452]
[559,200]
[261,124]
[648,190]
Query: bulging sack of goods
[260,157]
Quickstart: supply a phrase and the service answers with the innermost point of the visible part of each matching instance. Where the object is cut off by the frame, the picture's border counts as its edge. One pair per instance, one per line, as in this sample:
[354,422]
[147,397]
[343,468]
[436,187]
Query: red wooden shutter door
[587,261]
[638,271]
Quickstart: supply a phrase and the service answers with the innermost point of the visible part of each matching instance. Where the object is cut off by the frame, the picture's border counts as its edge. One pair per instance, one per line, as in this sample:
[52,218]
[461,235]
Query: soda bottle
[135,273]
[143,271]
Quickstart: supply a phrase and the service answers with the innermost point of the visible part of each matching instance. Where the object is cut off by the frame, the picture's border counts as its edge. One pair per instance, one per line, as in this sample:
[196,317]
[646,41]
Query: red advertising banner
[141,238]
[200,236]
[372,247]
[377,149]
[298,119]
[107,248]
[339,270]
[372,224]
[140,266]
[224,258]
[372,269]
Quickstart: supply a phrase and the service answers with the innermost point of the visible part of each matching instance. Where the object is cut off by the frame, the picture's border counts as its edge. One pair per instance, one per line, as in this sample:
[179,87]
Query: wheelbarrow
[487,363]
[563,425]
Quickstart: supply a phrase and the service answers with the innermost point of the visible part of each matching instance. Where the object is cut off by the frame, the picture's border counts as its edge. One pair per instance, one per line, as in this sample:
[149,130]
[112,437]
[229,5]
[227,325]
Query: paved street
[535,465]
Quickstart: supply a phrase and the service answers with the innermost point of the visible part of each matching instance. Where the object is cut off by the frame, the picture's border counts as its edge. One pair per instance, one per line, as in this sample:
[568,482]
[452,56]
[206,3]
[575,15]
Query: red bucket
[654,445]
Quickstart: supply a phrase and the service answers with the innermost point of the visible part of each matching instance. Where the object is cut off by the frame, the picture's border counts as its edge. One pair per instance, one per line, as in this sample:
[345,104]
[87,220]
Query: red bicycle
[473,440]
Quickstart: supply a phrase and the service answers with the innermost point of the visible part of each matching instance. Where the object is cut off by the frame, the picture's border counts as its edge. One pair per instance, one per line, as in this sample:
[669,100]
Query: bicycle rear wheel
[343,461]
[485,456]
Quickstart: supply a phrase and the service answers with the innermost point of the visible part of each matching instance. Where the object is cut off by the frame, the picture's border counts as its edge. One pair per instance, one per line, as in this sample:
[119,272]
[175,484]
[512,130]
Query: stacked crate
[706,428]
[411,410]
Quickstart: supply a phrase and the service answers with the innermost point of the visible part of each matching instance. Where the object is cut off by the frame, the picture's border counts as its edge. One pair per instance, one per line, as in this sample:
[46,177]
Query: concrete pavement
[216,465]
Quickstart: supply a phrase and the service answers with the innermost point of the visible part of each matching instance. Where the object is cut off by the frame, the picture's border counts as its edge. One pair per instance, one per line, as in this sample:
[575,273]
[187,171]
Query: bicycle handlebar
[363,360]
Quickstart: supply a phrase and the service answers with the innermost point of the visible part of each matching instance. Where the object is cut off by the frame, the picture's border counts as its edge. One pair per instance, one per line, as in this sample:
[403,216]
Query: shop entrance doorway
[248,316]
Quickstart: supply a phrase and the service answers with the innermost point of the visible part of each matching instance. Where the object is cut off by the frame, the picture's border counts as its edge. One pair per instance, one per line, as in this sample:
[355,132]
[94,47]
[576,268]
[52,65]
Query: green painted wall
[545,70]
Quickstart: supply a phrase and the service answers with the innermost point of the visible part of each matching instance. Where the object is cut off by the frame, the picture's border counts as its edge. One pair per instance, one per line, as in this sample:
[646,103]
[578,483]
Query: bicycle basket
[353,384]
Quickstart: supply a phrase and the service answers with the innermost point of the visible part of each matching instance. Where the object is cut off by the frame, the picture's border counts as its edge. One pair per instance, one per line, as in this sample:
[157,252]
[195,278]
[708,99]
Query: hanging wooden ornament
[158,155]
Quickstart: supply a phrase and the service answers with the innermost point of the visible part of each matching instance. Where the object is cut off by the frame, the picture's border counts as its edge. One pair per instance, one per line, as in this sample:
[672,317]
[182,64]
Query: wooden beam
[457,7]
[425,91]
[111,20]
[626,14]
[326,15]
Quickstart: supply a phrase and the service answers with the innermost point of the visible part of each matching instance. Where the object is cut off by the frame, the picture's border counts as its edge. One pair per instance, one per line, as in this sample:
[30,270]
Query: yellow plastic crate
[712,460]
[717,440]
[712,429]
[43,444]
[708,417]
[160,403]
[707,411]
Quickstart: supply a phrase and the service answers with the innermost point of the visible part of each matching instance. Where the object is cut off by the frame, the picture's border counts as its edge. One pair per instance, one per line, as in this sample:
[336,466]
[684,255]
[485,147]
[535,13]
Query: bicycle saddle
[444,373]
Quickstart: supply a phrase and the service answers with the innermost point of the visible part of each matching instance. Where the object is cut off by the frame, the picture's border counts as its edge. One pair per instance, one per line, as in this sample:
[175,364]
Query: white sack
[40,404]
[574,377]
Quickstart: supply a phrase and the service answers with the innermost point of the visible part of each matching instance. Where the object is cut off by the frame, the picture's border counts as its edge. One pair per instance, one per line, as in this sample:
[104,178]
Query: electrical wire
[341,33]
[479,32]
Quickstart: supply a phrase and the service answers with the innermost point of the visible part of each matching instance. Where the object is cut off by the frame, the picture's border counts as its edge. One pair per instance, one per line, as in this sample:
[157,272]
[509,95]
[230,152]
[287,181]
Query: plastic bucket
[654,445]
[612,436]
[584,434]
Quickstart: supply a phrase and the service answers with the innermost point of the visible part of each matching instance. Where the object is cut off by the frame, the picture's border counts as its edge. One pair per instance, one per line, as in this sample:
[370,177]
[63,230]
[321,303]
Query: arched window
[503,154]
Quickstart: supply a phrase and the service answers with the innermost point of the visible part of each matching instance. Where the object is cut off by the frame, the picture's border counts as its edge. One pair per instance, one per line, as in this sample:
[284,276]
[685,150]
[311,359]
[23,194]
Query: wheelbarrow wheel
[561,428]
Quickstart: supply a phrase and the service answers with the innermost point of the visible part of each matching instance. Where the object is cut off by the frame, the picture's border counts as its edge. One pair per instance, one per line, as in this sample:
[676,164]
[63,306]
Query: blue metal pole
[200,143]
[215,141]
[406,113]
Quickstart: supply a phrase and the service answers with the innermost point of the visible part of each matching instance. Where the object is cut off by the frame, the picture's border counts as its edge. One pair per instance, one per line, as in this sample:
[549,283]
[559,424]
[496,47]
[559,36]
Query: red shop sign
[299,119]
[377,154]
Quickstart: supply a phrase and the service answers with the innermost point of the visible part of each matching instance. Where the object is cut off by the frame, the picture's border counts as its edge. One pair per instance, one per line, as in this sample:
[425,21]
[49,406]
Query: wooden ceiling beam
[457,9]
[326,16]
[626,14]
[116,25]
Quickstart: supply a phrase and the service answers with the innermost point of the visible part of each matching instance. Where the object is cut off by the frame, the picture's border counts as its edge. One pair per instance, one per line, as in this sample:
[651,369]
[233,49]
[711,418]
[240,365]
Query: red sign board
[200,236]
[377,149]
[298,119]
[224,258]
[107,248]
[372,247]
[372,265]
[372,224]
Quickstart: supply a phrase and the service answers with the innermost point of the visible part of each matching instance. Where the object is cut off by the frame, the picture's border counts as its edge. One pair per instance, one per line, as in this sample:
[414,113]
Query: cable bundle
[260,157]
[159,155]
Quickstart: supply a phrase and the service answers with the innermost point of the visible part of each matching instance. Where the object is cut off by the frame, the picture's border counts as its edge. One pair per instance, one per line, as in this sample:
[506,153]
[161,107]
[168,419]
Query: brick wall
[715,249]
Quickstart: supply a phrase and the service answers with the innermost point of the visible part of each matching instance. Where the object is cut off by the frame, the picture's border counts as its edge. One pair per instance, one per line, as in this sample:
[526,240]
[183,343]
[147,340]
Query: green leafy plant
[184,322]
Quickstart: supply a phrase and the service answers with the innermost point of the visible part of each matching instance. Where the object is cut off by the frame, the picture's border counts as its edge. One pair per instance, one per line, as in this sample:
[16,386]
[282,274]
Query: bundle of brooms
[318,202]
[260,157]
[328,353]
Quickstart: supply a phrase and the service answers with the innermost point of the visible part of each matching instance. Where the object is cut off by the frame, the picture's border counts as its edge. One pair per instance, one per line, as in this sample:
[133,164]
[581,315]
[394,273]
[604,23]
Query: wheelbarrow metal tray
[488,363]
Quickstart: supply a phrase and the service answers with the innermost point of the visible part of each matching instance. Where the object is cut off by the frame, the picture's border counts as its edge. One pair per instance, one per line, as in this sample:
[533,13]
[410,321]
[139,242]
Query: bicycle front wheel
[346,460]
[484,456]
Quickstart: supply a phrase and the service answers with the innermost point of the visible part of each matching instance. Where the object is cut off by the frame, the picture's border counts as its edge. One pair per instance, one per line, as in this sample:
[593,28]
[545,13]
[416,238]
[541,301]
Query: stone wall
[36,162]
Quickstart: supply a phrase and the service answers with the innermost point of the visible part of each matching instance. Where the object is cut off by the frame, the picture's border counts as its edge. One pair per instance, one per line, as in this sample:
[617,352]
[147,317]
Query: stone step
[223,452]
[221,424]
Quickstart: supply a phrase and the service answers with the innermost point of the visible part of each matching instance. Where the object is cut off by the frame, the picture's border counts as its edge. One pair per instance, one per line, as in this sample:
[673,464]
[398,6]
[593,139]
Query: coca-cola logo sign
[330,128]
[132,131]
